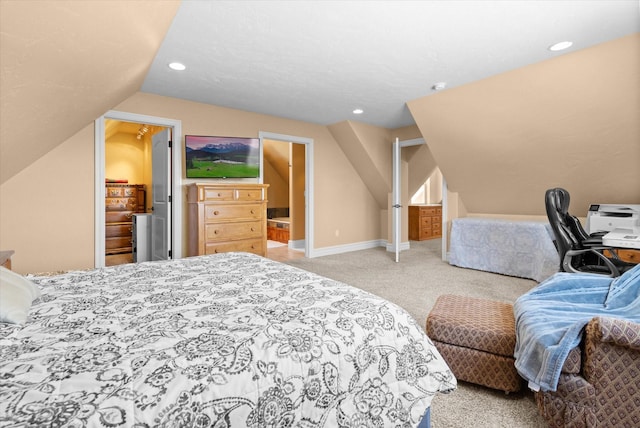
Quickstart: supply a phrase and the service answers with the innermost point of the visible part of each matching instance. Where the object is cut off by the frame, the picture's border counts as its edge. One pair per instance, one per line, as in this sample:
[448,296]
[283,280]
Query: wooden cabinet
[425,222]
[278,231]
[227,217]
[121,202]
[628,255]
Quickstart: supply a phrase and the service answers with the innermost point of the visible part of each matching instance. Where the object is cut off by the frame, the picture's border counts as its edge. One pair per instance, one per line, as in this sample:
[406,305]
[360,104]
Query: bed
[229,340]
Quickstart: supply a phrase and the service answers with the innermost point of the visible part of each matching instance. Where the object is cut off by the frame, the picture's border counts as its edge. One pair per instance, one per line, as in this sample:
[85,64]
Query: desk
[622,238]
[626,242]
[515,248]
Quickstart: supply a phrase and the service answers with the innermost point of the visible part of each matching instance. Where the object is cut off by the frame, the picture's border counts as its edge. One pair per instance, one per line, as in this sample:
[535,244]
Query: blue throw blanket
[550,319]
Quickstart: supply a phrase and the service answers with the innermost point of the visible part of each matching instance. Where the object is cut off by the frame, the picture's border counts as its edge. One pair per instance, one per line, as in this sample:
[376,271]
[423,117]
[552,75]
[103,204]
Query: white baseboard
[339,249]
[403,246]
[297,244]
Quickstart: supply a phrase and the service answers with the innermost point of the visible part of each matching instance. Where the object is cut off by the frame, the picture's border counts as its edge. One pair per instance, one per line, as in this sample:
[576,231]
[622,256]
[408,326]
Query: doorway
[172,164]
[129,190]
[291,194]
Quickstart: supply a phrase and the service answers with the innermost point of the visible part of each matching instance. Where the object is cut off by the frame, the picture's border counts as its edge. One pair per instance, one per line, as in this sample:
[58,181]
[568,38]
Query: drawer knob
[216,212]
[215,251]
[128,215]
[253,212]
[216,231]
[252,229]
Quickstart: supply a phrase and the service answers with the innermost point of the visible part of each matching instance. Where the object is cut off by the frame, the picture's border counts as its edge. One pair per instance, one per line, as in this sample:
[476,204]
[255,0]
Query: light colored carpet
[414,283]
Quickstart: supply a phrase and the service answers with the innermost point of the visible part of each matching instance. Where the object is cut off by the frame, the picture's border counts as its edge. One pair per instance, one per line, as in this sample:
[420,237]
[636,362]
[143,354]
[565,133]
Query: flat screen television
[222,157]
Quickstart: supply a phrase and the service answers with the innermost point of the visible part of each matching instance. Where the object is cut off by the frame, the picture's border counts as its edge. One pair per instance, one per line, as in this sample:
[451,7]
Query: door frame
[399,212]
[176,179]
[308,181]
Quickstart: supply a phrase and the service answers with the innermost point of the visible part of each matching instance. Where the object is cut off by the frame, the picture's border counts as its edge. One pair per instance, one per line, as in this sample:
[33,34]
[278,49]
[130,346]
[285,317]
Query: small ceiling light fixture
[439,86]
[560,46]
[143,130]
[358,111]
[178,66]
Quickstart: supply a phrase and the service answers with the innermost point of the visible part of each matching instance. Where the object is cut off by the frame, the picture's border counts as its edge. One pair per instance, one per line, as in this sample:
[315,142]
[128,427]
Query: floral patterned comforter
[227,340]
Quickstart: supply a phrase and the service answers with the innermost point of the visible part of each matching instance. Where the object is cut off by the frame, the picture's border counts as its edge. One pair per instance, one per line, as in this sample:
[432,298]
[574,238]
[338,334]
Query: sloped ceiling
[65,63]
[317,61]
[571,122]
[277,154]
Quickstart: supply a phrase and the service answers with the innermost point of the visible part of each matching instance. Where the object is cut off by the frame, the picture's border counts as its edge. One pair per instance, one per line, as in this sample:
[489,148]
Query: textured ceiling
[316,61]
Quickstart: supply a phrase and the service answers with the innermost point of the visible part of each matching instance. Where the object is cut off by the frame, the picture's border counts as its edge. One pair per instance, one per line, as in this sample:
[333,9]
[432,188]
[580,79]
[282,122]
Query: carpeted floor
[414,283]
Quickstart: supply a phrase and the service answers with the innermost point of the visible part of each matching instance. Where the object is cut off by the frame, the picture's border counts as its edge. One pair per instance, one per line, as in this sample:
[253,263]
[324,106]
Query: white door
[161,196]
[396,206]
[397,215]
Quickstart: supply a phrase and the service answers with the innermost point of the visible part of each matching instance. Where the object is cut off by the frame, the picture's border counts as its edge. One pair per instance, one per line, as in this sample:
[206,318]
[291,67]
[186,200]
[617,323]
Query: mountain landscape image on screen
[222,157]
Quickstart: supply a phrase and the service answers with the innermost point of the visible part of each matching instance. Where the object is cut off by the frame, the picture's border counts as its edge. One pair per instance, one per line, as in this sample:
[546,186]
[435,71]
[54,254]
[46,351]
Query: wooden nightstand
[5,258]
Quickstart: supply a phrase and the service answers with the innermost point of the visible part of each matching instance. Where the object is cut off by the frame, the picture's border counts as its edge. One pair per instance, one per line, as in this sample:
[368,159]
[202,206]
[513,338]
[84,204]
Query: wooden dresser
[227,217]
[425,222]
[121,202]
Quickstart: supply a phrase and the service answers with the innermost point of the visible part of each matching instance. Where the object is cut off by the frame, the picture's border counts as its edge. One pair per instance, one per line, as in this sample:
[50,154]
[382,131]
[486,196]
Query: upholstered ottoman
[477,338]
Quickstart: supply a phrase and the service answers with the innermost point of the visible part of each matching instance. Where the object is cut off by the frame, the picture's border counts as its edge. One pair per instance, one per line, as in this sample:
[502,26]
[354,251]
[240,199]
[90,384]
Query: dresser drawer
[425,221]
[426,233]
[430,211]
[118,230]
[249,194]
[121,204]
[231,231]
[118,216]
[232,212]
[213,194]
[255,246]
[118,242]
[122,192]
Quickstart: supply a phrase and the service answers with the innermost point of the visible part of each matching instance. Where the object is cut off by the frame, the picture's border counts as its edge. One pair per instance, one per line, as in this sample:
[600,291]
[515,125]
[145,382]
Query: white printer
[605,218]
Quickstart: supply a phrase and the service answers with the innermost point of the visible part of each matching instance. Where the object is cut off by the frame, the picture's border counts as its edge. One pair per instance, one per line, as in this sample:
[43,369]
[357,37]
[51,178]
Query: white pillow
[16,295]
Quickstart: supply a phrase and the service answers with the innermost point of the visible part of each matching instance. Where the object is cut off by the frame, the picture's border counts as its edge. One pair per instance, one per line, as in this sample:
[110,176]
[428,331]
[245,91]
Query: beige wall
[66,62]
[47,210]
[127,158]
[572,121]
[278,192]
[296,195]
[368,148]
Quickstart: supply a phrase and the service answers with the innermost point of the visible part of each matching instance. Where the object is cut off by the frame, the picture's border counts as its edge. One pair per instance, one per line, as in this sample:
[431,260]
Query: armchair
[578,346]
[578,251]
[599,383]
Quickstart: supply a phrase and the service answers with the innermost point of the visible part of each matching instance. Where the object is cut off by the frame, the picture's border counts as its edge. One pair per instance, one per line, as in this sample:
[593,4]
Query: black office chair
[591,240]
[579,252]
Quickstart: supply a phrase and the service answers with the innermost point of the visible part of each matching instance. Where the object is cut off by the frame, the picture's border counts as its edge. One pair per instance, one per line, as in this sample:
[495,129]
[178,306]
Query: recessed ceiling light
[439,86]
[560,46]
[177,66]
[358,111]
